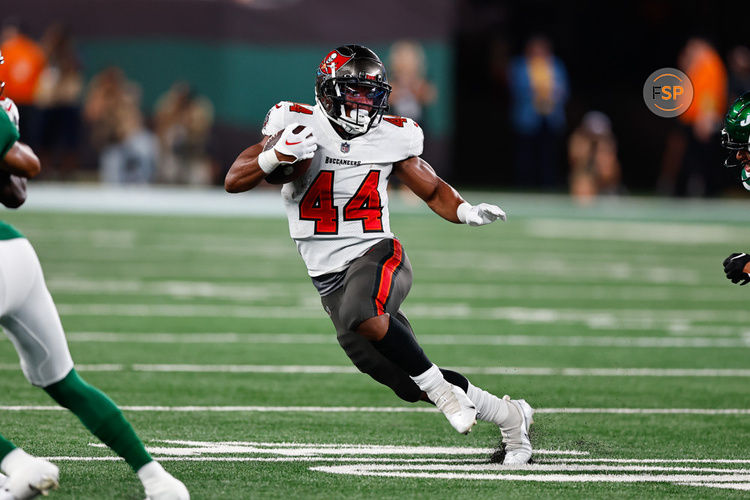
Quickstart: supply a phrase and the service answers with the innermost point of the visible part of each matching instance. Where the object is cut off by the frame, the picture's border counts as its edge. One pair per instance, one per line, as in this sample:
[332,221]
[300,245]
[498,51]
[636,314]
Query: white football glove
[11,109]
[479,215]
[301,145]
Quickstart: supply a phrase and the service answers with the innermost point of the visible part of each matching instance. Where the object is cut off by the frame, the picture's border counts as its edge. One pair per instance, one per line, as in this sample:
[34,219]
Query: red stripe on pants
[386,276]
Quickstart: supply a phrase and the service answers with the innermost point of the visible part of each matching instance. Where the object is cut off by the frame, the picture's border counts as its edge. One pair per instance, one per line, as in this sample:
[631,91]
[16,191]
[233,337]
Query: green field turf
[616,322]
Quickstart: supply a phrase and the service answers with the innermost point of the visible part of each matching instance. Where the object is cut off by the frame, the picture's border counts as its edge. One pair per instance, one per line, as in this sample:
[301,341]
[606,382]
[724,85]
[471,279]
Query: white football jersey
[339,207]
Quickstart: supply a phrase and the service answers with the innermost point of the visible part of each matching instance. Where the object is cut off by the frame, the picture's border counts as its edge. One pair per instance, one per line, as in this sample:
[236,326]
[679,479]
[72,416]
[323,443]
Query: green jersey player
[30,319]
[735,136]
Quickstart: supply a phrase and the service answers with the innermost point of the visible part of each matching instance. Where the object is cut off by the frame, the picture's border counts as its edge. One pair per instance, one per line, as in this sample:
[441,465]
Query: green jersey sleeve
[8,134]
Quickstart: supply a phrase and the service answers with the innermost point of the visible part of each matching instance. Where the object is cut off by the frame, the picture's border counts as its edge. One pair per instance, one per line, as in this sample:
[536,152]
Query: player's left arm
[441,197]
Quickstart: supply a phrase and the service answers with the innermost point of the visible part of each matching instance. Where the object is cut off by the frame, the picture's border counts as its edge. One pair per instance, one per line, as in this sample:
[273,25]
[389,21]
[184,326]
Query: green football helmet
[735,136]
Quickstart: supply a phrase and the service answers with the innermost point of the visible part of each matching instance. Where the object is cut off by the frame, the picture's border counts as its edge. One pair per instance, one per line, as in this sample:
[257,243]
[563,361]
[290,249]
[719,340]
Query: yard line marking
[427,339]
[451,290]
[472,370]
[651,232]
[648,460]
[442,462]
[204,338]
[188,448]
[351,370]
[454,310]
[361,470]
[543,468]
[731,486]
[389,409]
[270,459]
[650,411]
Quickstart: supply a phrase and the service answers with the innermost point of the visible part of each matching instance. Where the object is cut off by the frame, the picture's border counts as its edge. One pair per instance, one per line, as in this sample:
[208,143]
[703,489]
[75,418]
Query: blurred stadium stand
[245,55]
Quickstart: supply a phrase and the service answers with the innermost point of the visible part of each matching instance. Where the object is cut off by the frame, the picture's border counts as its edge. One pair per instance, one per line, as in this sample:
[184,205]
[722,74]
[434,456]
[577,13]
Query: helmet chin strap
[355,115]
[346,127]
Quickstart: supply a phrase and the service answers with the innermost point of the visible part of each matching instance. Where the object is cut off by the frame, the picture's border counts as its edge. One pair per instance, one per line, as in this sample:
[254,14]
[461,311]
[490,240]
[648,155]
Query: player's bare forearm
[12,190]
[245,174]
[421,178]
[20,160]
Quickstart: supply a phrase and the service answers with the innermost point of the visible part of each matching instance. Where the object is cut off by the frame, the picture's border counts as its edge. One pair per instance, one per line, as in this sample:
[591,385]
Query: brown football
[287,172]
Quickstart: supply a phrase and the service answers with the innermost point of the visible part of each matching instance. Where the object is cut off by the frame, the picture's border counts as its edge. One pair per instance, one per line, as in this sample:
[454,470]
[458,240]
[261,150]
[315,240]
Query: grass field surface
[615,322]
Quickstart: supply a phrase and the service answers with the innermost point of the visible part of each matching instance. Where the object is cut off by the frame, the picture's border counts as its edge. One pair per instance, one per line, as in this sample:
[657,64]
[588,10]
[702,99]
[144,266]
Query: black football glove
[734,266]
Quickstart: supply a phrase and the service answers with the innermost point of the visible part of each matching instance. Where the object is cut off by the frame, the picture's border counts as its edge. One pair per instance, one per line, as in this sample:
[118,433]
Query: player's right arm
[245,173]
[16,157]
[21,161]
[17,160]
[254,164]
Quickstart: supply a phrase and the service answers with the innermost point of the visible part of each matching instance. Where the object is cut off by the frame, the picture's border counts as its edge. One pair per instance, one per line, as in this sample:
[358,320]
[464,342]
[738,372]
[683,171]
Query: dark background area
[608,49]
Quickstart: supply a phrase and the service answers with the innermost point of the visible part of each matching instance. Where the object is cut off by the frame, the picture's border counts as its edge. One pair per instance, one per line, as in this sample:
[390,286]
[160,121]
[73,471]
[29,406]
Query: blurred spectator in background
[183,122]
[58,96]
[592,153]
[24,63]
[406,74]
[692,148]
[539,90]
[739,72]
[127,150]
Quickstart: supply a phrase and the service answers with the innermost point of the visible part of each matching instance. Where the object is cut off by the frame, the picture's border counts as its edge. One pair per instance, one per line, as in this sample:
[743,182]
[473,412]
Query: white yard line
[647,460]
[470,370]
[453,310]
[390,409]
[427,339]
[650,232]
[363,470]
[448,290]
[728,486]
[549,468]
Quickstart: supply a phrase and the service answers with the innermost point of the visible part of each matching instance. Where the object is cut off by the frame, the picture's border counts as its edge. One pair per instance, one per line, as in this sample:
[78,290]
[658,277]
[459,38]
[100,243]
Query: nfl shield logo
[345,147]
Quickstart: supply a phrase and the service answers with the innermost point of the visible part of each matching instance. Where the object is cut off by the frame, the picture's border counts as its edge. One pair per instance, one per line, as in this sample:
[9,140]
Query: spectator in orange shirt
[24,63]
[690,150]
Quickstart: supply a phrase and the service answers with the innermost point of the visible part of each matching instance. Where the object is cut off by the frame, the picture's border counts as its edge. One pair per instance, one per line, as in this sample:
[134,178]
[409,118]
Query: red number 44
[317,204]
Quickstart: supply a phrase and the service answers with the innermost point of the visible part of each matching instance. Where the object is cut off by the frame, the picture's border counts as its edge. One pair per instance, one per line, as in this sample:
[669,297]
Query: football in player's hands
[286,172]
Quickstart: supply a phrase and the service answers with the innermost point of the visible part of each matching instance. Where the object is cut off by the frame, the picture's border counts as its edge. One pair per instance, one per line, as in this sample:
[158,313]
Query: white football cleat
[516,439]
[456,406]
[160,484]
[30,477]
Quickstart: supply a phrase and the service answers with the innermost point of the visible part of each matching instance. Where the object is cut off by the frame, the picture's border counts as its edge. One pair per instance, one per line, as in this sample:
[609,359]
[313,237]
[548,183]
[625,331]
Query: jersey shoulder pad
[282,114]
[406,133]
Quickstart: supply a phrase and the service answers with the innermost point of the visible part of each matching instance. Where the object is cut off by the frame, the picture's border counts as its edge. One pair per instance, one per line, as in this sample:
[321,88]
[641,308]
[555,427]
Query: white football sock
[14,459]
[430,380]
[490,408]
[151,472]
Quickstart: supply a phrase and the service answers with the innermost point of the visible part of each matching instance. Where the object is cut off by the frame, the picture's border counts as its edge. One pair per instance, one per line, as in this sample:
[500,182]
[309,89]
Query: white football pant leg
[29,316]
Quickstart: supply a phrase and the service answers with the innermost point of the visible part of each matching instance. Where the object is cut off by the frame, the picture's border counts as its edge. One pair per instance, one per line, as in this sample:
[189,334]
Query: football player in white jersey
[338,217]
[30,319]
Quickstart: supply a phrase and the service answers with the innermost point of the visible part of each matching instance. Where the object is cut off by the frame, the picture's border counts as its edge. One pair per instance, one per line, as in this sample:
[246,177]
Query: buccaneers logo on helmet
[352,88]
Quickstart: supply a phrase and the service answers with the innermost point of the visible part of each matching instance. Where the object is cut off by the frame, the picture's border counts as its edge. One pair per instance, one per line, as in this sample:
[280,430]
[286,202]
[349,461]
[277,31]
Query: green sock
[101,416]
[5,447]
